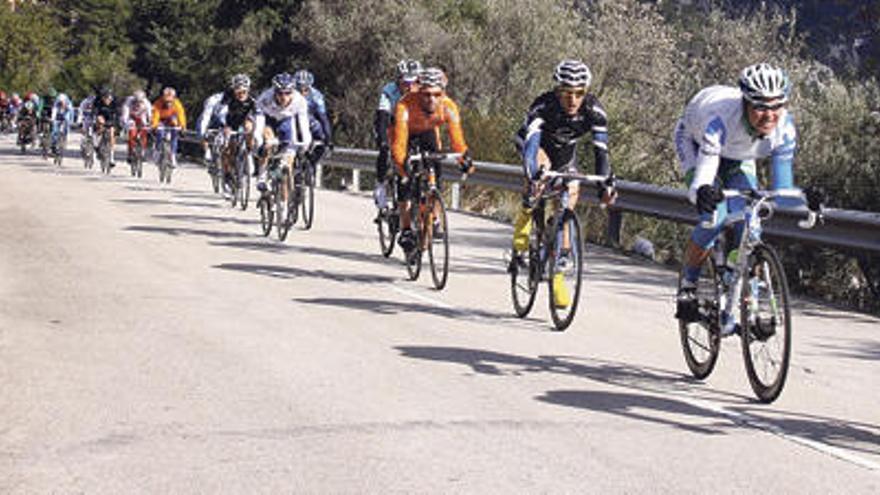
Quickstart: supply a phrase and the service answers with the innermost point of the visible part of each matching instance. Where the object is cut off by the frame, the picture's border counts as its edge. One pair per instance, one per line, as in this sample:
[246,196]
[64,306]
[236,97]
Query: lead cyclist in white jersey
[723,131]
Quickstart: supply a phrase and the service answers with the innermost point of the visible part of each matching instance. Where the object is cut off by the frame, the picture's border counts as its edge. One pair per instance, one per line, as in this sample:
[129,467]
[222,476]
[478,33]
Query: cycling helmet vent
[572,73]
[761,82]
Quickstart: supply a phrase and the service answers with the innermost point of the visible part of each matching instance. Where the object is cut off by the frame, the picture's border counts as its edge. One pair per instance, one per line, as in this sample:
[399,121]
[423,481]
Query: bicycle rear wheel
[565,275]
[436,237]
[105,156]
[59,149]
[701,340]
[766,324]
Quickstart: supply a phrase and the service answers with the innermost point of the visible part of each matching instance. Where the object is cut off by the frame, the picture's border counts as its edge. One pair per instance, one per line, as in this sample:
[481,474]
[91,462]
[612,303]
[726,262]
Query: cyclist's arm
[781,164]
[181,113]
[302,122]
[528,139]
[456,134]
[157,110]
[381,123]
[400,137]
[600,139]
[205,117]
[708,156]
[321,114]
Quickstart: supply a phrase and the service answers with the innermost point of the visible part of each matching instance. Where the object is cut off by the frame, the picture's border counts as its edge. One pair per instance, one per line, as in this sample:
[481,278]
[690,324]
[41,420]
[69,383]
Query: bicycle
[428,217]
[752,278]
[166,154]
[272,201]
[304,189]
[87,149]
[240,184]
[26,133]
[388,219]
[60,144]
[103,150]
[546,259]
[137,158]
[45,137]
[216,141]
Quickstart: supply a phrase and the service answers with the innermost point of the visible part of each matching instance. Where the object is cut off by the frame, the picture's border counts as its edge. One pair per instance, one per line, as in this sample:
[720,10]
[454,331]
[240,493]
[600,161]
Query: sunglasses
[432,94]
[763,107]
[284,92]
[577,93]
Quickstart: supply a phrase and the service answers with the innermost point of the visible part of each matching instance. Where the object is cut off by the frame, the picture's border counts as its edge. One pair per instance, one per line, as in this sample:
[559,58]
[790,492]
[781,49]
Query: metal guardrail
[842,229]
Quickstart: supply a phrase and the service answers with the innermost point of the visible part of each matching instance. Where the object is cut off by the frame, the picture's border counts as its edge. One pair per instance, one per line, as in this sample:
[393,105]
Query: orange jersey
[410,119]
[161,113]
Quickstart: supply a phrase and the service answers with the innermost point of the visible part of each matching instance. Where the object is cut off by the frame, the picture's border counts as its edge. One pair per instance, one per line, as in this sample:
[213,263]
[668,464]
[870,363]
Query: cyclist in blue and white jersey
[84,116]
[723,131]
[61,116]
[319,122]
[407,75]
[283,113]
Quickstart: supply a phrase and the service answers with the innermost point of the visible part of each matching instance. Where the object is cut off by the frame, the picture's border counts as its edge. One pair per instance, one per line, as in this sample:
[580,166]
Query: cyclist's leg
[132,137]
[264,154]
[112,144]
[382,160]
[522,222]
[738,175]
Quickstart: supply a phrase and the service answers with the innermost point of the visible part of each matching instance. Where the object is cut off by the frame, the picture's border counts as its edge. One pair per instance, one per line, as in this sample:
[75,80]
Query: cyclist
[136,117]
[319,123]
[14,108]
[548,138]
[61,117]
[722,132]
[418,117]
[283,113]
[106,114]
[44,110]
[407,74]
[84,116]
[169,112]
[26,122]
[229,110]
[4,111]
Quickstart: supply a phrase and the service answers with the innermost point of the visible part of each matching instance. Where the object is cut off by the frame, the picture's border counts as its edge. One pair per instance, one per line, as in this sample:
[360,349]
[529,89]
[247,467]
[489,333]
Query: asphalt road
[152,342]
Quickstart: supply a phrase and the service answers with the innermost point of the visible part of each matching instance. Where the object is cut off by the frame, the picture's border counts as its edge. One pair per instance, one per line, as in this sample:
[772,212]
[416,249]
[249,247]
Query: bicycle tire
[283,228]
[59,150]
[105,157]
[563,316]
[756,332]
[244,184]
[413,259]
[524,295]
[308,198]
[267,216]
[701,340]
[436,211]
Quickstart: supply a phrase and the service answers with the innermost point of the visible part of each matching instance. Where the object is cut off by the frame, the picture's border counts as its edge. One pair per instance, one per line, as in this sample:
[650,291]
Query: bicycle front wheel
[701,340]
[525,276]
[264,204]
[766,324]
[308,197]
[413,259]
[436,236]
[282,225]
[565,270]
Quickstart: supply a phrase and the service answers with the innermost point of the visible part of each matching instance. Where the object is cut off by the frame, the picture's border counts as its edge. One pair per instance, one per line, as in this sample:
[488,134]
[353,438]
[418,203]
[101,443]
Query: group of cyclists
[721,133]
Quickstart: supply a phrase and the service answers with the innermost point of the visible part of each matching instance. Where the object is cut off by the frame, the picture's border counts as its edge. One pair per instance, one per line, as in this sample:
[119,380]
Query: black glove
[466,164]
[607,185]
[708,197]
[816,197]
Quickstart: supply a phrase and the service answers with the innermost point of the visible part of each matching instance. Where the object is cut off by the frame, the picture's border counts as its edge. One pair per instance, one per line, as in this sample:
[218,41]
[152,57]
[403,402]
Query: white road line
[754,422]
[419,297]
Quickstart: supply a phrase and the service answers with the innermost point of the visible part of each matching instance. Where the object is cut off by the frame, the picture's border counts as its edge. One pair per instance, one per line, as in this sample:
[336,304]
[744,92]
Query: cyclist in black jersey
[547,139]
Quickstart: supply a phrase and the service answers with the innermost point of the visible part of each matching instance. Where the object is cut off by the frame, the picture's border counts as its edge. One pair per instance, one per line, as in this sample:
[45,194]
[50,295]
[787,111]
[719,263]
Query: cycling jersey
[109,112]
[319,124]
[715,127]
[410,121]
[136,113]
[163,113]
[224,109]
[291,123]
[85,109]
[62,114]
[547,126]
[389,97]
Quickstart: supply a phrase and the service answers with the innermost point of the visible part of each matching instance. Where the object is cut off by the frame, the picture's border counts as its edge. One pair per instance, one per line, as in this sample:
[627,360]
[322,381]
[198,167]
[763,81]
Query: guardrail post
[615,223]
[456,196]
[319,175]
[355,180]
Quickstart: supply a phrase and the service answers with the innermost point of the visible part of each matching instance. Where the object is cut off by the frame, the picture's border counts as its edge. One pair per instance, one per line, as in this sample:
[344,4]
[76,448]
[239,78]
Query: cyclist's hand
[816,197]
[466,163]
[607,191]
[708,197]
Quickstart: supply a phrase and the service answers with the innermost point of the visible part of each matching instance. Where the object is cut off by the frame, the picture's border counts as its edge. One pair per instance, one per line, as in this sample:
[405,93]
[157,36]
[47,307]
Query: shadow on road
[153,201]
[205,219]
[277,247]
[289,272]
[178,231]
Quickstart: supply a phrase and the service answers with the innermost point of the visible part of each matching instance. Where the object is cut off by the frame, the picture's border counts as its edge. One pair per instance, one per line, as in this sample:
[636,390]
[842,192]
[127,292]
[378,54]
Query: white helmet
[762,82]
[573,73]
[408,70]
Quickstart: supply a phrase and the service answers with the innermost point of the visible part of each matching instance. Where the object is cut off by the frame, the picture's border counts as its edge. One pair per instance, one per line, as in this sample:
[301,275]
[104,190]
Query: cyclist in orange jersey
[418,117]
